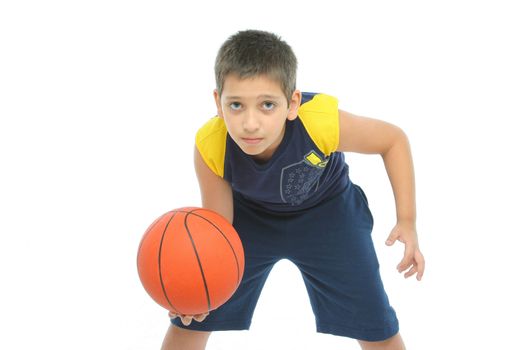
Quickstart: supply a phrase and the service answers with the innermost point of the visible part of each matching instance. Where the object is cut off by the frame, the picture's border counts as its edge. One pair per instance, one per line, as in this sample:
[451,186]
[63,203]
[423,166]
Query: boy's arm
[372,136]
[216,193]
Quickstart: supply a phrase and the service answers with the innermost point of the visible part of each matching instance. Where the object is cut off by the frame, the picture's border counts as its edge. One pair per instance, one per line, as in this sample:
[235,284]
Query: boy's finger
[420,260]
[186,320]
[201,317]
[407,260]
[402,267]
[392,238]
[411,272]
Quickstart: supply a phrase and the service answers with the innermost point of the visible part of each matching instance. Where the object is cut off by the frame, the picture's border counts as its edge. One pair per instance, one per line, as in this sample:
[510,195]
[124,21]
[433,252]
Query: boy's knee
[183,339]
[393,343]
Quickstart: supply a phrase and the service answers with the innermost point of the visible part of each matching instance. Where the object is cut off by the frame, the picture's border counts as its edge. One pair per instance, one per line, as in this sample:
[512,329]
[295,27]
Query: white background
[99,104]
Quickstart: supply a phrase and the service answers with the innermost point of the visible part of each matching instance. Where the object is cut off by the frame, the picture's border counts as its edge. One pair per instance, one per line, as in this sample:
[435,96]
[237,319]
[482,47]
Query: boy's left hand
[406,232]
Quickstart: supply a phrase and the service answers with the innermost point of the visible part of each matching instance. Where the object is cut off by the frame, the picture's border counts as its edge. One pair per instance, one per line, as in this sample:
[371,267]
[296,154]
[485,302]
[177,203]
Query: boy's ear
[295,103]
[218,102]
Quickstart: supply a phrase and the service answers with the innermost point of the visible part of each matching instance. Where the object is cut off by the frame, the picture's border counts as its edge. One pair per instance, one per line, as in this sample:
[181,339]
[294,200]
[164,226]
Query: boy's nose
[250,122]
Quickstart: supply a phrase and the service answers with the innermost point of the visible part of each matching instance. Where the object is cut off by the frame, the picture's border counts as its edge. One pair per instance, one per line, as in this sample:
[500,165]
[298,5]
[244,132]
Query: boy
[272,163]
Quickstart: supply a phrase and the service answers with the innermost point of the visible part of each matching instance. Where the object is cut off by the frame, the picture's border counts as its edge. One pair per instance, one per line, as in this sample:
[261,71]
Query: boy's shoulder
[319,114]
[210,140]
[214,129]
[318,102]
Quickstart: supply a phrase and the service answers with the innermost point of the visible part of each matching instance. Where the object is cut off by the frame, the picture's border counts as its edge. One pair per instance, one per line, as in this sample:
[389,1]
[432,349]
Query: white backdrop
[99,103]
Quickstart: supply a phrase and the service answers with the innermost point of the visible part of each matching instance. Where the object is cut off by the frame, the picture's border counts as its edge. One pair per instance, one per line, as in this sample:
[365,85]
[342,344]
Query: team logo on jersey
[313,159]
[300,179]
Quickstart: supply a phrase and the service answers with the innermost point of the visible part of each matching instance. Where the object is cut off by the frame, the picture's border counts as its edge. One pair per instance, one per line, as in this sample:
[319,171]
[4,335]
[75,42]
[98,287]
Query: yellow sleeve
[211,143]
[320,117]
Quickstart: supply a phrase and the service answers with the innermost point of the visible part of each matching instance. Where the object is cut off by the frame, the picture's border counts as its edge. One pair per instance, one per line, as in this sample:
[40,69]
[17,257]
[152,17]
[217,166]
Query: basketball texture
[190,260]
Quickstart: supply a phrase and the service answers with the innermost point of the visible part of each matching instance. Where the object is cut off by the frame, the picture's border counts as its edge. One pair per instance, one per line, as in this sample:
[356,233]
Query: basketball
[190,260]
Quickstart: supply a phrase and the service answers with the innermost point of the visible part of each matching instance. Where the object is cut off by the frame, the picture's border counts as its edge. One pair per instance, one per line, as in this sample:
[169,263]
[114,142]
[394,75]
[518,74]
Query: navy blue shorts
[331,245]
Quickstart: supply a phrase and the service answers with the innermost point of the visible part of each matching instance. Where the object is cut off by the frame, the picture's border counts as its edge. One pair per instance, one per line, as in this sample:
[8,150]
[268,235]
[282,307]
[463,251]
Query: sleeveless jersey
[305,169]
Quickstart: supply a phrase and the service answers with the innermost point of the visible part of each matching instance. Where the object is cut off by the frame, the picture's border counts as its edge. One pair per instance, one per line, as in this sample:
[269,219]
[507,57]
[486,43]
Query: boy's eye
[235,106]
[268,105]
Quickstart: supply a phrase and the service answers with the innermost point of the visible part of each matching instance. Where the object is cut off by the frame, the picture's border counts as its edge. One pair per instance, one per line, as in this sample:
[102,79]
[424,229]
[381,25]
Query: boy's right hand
[186,319]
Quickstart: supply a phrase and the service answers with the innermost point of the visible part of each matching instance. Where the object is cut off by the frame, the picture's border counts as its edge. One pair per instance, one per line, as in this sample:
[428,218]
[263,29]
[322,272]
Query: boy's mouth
[251,141]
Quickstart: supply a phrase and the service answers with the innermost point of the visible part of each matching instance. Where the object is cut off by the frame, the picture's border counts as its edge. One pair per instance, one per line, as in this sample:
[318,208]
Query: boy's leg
[333,249]
[182,339]
[394,343]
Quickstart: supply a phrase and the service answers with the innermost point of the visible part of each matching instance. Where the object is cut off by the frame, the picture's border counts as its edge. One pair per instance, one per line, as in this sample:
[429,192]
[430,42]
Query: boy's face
[255,111]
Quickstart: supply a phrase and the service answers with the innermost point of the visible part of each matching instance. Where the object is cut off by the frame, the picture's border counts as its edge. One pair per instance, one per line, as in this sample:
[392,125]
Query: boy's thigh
[335,253]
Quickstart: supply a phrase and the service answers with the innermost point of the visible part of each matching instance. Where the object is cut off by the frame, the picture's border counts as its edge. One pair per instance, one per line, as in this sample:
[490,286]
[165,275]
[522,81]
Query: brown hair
[251,53]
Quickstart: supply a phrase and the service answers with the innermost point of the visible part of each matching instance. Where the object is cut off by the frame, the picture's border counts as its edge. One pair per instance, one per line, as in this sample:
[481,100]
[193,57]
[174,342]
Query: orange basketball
[190,260]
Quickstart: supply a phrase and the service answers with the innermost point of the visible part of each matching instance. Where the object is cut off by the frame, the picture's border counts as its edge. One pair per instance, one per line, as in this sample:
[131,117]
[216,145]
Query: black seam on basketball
[226,238]
[148,231]
[160,255]
[198,261]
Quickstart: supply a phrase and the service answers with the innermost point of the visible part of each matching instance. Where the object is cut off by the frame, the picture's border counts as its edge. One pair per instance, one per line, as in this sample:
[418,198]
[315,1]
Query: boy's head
[255,92]
[253,53]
